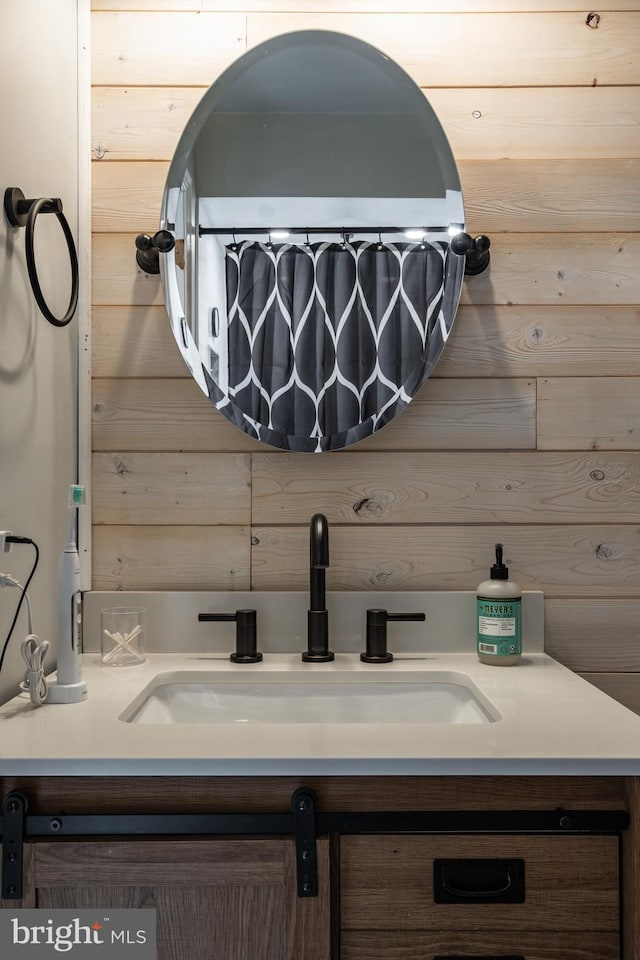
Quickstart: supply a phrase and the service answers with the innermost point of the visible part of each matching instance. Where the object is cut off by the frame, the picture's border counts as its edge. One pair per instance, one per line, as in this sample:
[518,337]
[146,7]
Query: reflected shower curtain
[326,337]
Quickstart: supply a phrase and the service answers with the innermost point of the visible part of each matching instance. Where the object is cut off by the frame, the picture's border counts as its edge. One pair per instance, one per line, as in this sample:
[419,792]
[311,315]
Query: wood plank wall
[529,431]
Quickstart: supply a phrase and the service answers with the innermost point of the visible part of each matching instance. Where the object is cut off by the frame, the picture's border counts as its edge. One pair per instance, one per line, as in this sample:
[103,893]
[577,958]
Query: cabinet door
[222,899]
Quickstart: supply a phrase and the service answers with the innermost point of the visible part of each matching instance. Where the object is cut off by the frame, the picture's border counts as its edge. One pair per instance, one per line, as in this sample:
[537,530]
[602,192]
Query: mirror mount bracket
[476,252]
[148,249]
[478,256]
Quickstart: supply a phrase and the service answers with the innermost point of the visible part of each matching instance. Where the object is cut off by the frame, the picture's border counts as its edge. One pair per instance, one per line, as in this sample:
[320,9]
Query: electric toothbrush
[69,687]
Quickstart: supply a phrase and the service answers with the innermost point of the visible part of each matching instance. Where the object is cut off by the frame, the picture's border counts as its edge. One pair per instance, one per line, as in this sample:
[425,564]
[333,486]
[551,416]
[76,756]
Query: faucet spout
[318,560]
[319,541]
[318,615]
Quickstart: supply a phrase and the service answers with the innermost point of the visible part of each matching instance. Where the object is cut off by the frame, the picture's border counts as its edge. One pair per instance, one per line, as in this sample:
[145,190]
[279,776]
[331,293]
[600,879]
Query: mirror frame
[180,267]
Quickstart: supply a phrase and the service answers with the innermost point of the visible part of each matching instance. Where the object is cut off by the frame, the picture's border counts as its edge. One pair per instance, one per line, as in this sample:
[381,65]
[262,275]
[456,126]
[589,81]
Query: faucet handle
[246,634]
[376,638]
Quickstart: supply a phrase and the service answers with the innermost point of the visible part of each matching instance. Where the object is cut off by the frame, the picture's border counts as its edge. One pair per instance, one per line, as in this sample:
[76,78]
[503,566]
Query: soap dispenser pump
[499,617]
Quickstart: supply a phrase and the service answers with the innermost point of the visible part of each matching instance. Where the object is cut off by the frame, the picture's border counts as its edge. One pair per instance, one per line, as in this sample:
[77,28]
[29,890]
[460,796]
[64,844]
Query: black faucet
[318,615]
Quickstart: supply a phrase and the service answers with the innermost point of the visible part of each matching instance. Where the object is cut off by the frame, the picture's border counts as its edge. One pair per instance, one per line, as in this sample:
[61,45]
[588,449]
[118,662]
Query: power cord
[6,580]
[33,652]
[23,595]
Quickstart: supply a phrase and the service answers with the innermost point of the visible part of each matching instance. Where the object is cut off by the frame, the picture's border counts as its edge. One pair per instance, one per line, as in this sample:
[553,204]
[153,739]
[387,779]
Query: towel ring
[24,213]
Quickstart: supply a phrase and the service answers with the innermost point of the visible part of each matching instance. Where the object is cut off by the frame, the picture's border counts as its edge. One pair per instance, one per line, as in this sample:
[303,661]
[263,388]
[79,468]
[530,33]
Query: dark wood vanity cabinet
[215,899]
[568,897]
[527,896]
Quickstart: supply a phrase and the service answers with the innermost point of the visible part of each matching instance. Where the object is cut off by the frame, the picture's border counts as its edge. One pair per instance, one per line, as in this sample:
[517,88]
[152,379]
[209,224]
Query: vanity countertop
[551,723]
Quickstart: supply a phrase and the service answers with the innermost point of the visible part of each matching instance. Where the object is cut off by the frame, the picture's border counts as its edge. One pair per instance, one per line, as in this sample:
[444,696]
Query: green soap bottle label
[499,630]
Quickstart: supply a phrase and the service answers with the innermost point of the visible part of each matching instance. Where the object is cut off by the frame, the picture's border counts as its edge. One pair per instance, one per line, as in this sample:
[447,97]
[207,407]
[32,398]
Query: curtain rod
[341,231]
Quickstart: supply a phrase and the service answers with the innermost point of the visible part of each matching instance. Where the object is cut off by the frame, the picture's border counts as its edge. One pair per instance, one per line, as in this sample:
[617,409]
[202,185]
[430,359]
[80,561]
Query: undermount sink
[446,697]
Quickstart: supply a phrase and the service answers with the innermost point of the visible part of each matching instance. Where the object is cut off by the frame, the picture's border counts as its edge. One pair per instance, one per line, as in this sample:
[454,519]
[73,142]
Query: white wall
[38,362]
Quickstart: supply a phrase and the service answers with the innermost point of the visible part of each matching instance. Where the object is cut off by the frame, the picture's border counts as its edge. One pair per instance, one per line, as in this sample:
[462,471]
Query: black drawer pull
[478,881]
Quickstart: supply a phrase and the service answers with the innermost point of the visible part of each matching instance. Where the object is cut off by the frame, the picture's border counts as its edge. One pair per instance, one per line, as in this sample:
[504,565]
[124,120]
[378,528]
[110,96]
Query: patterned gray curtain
[330,340]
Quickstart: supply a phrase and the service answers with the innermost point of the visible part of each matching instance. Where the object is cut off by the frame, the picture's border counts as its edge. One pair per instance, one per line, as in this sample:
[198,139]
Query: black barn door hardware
[303,804]
[303,822]
[14,807]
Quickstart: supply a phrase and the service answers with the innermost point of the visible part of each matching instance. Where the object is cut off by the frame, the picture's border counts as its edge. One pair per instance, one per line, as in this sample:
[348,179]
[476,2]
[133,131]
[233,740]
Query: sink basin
[212,697]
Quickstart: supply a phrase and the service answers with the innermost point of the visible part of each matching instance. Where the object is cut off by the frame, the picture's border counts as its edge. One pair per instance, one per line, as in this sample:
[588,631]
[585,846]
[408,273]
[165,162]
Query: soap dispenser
[499,617]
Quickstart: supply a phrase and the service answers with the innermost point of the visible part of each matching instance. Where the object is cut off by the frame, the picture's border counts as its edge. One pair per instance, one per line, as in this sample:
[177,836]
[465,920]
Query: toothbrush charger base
[66,692]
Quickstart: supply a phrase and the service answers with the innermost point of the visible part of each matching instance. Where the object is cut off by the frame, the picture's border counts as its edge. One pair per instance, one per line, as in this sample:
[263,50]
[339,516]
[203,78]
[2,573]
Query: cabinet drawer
[570,883]
[418,945]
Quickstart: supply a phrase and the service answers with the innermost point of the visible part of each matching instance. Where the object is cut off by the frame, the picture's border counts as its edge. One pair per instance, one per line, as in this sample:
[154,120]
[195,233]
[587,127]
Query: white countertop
[551,722]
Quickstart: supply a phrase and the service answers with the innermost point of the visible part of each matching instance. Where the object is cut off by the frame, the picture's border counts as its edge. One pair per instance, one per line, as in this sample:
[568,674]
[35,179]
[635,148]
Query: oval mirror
[312,196]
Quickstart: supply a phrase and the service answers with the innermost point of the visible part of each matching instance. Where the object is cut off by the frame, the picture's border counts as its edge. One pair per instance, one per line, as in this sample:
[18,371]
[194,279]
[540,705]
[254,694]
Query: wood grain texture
[463,414]
[500,195]
[623,687]
[482,123]
[527,49]
[540,340]
[140,123]
[222,898]
[593,268]
[134,47]
[134,342]
[462,487]
[163,414]
[530,268]
[336,794]
[126,194]
[166,488]
[563,560]
[193,921]
[226,897]
[598,413]
[163,557]
[203,861]
[542,113]
[592,635]
[527,123]
[417,945]
[364,6]
[116,277]
[387,883]
[551,195]
[486,341]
